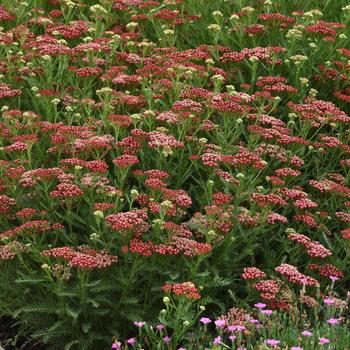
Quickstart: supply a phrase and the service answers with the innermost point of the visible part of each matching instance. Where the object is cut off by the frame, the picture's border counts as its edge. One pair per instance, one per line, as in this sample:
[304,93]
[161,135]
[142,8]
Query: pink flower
[160,327]
[131,2]
[116,345]
[324,340]
[328,301]
[254,321]
[334,278]
[333,321]
[166,340]
[267,312]
[237,328]
[217,340]
[232,337]
[260,305]
[205,320]
[296,348]
[131,341]
[306,333]
[220,323]
[139,324]
[272,342]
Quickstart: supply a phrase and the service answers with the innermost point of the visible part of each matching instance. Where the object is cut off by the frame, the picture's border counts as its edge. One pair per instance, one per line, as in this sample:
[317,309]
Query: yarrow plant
[175,174]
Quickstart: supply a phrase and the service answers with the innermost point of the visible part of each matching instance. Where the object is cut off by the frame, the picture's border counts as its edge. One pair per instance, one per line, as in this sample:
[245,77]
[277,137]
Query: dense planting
[175,174]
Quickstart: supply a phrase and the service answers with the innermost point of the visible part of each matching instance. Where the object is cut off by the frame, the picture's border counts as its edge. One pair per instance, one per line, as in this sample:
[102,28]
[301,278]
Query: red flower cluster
[252,273]
[82,257]
[293,275]
[132,221]
[186,289]
[314,249]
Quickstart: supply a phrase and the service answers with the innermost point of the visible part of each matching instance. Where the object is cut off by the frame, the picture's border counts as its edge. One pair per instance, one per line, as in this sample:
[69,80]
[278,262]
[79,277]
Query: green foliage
[173,56]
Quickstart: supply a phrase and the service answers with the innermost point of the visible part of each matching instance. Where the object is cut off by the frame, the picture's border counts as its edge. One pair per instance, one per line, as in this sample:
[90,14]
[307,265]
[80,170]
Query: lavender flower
[116,345]
[334,278]
[237,328]
[254,321]
[272,342]
[139,324]
[217,340]
[220,323]
[333,321]
[260,305]
[166,340]
[205,320]
[328,301]
[160,327]
[324,340]
[131,341]
[306,334]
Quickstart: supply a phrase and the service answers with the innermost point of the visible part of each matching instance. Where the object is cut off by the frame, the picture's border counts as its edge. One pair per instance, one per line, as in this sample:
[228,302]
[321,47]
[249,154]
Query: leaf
[67,294]
[30,280]
[93,283]
[37,308]
[174,275]
[131,301]
[47,334]
[86,327]
[72,313]
[93,302]
[103,288]
[69,345]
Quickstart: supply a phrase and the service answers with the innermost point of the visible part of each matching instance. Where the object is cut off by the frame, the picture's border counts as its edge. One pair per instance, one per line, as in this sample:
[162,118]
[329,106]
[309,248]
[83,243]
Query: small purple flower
[139,324]
[116,345]
[160,327]
[237,328]
[304,281]
[333,321]
[267,312]
[241,348]
[328,301]
[232,338]
[334,278]
[254,321]
[217,340]
[260,305]
[181,349]
[272,342]
[220,323]
[205,320]
[296,348]
[306,333]
[324,340]
[131,341]
[166,340]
